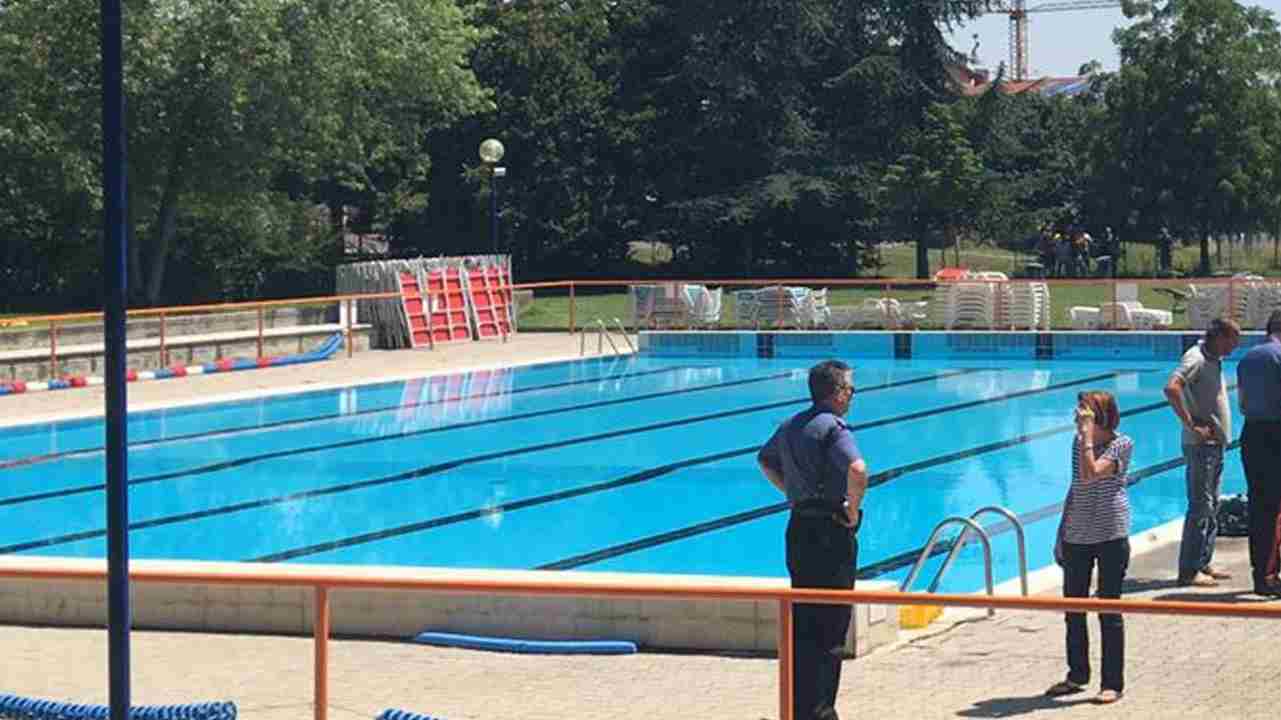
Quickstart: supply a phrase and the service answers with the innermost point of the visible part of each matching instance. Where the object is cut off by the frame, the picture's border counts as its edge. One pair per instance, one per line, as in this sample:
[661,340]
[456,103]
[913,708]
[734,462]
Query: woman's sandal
[1064,687]
[1107,697]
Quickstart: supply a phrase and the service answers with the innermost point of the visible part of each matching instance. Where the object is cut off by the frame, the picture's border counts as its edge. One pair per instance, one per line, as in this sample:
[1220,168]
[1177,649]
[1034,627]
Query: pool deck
[961,666]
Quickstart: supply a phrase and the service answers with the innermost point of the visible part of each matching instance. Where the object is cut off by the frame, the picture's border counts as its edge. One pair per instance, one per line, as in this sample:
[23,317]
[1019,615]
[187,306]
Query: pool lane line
[248,459]
[36,459]
[422,471]
[909,557]
[632,479]
[880,478]
[277,454]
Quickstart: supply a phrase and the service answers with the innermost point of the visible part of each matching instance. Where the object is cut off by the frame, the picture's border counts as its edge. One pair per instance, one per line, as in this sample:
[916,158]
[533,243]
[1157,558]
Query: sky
[1060,41]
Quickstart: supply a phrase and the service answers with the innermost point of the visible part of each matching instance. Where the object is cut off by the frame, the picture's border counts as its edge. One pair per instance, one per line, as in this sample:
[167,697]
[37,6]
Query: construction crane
[1018,12]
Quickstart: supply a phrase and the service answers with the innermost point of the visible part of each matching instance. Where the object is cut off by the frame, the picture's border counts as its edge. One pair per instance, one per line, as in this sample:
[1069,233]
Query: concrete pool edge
[679,624]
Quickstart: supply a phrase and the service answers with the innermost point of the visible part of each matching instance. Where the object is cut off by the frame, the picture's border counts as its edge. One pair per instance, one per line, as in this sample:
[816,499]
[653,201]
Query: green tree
[228,99]
[1189,114]
[934,185]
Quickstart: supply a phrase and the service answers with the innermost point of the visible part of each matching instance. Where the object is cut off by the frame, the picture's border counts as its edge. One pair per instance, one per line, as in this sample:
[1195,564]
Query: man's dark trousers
[1261,459]
[821,553]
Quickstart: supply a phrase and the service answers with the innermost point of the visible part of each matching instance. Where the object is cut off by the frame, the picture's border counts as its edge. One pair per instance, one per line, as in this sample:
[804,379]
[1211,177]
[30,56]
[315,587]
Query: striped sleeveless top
[1098,510]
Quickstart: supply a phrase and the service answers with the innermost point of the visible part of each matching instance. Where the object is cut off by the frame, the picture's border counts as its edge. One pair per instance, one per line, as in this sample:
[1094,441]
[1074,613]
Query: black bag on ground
[1234,519]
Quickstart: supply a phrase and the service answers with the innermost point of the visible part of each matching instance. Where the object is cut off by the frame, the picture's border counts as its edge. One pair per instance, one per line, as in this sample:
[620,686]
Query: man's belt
[817,507]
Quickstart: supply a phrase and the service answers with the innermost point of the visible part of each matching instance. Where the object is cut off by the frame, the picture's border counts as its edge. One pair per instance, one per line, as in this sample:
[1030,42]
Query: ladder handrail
[934,537]
[961,540]
[604,333]
[626,339]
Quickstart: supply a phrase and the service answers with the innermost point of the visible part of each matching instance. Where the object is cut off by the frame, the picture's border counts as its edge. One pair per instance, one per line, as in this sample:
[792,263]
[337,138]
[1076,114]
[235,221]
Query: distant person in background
[1199,397]
[1045,248]
[1165,248]
[812,458]
[1259,392]
[1095,530]
[1062,255]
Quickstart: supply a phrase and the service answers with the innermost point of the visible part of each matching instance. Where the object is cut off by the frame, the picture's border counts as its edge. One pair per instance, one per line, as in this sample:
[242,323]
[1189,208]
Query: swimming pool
[638,464]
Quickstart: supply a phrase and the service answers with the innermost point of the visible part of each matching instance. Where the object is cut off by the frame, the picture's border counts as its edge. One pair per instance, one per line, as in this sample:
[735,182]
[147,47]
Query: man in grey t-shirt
[1197,394]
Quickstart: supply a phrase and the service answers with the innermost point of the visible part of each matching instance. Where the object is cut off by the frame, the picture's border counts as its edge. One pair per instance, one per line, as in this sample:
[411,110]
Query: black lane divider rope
[36,459]
[428,470]
[635,478]
[262,457]
[909,557]
[760,512]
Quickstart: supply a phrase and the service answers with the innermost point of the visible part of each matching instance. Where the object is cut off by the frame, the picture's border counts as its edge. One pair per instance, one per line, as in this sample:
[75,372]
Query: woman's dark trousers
[1112,559]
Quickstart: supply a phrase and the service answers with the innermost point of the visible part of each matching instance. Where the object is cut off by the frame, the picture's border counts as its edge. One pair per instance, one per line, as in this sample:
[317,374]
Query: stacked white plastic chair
[1264,299]
[872,313]
[746,307]
[666,304]
[1207,302]
[779,306]
[814,309]
[966,303]
[705,308]
[1026,306]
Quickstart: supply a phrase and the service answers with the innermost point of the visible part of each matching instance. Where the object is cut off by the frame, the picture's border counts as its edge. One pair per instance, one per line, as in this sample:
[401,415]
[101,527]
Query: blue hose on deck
[393,714]
[13,707]
[515,645]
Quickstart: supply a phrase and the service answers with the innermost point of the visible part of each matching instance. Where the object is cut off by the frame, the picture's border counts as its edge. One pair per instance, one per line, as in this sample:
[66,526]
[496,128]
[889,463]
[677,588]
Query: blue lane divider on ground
[13,707]
[533,647]
[394,714]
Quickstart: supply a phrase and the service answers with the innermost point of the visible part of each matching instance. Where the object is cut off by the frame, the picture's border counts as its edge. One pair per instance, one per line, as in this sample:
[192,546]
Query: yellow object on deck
[912,617]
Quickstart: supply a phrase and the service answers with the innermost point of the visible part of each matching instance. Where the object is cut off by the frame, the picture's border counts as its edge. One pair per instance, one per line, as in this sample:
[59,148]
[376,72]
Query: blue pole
[115,272]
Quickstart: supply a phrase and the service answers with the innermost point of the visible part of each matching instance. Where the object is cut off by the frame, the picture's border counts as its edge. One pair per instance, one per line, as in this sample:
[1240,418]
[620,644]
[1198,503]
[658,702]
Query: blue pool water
[635,464]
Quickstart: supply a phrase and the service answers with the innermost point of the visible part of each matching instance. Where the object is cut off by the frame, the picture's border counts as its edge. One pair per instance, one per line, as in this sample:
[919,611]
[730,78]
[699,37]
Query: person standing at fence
[1095,529]
[1197,394]
[813,459]
[1259,392]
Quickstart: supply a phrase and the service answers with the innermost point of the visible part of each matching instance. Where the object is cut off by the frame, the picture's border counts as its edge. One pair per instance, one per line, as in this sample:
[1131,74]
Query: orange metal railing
[322,581]
[347,302]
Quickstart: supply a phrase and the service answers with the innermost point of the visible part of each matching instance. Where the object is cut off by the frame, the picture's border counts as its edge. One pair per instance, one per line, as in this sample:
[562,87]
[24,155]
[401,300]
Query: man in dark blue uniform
[812,458]
[1259,392]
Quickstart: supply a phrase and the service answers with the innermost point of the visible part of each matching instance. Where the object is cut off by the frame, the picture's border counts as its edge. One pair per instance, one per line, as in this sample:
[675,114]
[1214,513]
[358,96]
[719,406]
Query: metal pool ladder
[603,335]
[969,525]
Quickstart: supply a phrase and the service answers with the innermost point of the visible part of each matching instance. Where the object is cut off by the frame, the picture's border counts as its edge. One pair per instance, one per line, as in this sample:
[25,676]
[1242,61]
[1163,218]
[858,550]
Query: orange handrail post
[321,633]
[164,352]
[53,349]
[786,656]
[346,329]
[259,331]
[572,325]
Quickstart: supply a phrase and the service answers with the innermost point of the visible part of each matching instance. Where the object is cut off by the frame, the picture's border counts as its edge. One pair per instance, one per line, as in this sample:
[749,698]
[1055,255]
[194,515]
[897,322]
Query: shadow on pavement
[1011,706]
[1228,596]
[1138,585]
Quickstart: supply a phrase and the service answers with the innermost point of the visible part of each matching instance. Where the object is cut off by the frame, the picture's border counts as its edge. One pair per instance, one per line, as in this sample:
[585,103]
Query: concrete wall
[694,624]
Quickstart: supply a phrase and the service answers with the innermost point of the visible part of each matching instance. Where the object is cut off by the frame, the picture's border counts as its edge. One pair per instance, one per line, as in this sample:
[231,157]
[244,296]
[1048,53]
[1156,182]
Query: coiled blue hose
[13,707]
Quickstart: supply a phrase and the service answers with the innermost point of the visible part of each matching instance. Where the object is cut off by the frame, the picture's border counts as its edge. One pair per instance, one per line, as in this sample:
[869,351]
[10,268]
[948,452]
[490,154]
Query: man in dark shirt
[1259,392]
[812,459]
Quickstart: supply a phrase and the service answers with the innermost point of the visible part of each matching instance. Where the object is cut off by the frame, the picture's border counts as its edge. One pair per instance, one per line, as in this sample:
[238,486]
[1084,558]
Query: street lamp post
[491,152]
